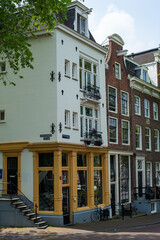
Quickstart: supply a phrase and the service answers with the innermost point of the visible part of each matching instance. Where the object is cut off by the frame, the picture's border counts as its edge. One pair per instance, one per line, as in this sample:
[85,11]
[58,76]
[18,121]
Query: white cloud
[116,21]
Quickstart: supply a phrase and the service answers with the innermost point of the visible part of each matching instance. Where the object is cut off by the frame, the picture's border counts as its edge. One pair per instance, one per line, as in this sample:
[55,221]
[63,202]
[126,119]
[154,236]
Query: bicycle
[100,214]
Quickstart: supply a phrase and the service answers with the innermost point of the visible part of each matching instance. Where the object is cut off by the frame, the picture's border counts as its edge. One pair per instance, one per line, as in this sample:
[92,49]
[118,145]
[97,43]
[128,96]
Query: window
[88,75]
[156,140]
[75,120]
[89,119]
[146,108]
[124,103]
[157,173]
[144,75]
[112,99]
[138,137]
[124,179]
[97,179]
[149,174]
[118,70]
[113,130]
[155,111]
[2,67]
[67,68]
[148,138]
[67,118]
[2,115]
[81,28]
[82,180]
[74,70]
[137,105]
[125,132]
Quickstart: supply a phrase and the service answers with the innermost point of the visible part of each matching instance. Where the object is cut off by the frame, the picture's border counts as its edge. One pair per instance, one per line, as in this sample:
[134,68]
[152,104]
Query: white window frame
[75,120]
[157,173]
[115,99]
[140,137]
[156,140]
[117,70]
[67,119]
[116,142]
[148,135]
[149,171]
[126,112]
[128,132]
[74,70]
[138,106]
[2,116]
[67,68]
[146,108]
[155,111]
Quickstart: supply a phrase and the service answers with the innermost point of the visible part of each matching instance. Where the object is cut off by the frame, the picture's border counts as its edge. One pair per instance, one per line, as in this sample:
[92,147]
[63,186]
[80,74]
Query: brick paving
[102,226]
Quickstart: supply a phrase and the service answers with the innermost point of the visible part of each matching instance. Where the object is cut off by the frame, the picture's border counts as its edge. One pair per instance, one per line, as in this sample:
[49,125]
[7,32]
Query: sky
[136,21]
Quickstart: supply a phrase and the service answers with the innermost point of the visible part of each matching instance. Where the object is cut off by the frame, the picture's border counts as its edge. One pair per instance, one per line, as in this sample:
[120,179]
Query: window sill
[67,76]
[113,142]
[76,129]
[2,122]
[67,127]
[75,79]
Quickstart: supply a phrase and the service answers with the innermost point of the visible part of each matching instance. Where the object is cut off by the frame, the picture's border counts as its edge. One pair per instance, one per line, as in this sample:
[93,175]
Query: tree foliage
[17,19]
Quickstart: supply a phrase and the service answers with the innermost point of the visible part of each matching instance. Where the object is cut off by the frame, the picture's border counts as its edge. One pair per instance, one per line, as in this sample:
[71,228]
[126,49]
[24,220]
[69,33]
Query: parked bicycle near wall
[100,213]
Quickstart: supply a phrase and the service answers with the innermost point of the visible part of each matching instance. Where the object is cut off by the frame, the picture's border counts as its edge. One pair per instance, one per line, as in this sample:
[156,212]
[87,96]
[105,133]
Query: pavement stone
[102,226]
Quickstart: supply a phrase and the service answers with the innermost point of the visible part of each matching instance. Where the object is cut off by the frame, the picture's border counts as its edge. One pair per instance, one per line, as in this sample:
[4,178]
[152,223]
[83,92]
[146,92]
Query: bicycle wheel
[95,216]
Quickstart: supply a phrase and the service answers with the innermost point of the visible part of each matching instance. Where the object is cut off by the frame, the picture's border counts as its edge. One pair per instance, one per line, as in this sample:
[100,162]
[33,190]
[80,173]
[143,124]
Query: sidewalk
[102,226]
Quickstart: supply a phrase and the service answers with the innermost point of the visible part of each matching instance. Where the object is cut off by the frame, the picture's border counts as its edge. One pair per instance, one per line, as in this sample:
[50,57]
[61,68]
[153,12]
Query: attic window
[81,25]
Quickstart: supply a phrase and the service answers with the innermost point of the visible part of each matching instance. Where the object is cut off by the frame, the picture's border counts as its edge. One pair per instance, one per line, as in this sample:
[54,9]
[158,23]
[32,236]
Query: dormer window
[81,22]
[144,75]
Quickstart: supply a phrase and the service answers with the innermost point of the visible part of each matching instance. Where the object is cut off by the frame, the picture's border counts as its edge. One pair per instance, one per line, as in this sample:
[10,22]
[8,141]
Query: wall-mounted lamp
[62,42]
[76,48]
[60,127]
[59,76]
[77,96]
[52,128]
[62,92]
[52,76]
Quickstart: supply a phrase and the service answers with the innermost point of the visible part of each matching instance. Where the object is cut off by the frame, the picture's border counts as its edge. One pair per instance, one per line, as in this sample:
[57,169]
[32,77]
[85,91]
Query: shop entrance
[12,175]
[65,205]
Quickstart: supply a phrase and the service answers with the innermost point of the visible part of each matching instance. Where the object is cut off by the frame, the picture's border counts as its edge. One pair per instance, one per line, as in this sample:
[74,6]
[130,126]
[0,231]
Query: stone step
[35,218]
[30,214]
[17,203]
[43,227]
[26,211]
[22,206]
[40,223]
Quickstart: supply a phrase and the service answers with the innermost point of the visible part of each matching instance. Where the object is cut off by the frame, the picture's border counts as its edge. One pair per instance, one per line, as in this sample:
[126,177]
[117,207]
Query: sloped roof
[144,57]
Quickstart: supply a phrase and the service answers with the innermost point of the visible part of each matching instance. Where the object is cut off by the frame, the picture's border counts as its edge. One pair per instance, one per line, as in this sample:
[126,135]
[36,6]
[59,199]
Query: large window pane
[46,191]
[64,159]
[97,161]
[81,160]
[97,186]
[45,159]
[82,188]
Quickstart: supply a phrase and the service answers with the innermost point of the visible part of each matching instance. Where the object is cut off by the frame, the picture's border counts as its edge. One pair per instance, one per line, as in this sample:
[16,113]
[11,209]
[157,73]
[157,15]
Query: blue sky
[136,21]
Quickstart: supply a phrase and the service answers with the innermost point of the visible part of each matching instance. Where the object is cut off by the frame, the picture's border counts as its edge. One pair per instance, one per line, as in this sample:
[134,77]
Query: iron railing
[92,91]
[93,137]
[147,192]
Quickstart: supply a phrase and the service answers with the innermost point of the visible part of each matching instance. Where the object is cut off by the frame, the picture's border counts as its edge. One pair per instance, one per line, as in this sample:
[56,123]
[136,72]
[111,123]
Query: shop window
[64,159]
[46,191]
[97,161]
[82,180]
[46,160]
[97,180]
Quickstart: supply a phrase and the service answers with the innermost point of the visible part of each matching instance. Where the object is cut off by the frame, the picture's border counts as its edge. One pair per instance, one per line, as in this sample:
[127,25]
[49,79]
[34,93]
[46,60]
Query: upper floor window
[156,140]
[75,120]
[2,67]
[113,130]
[137,105]
[112,99]
[74,70]
[155,111]
[146,108]
[88,75]
[124,103]
[81,24]
[148,138]
[118,70]
[67,67]
[67,118]
[144,75]
[138,137]
[125,132]
[89,119]
[2,115]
